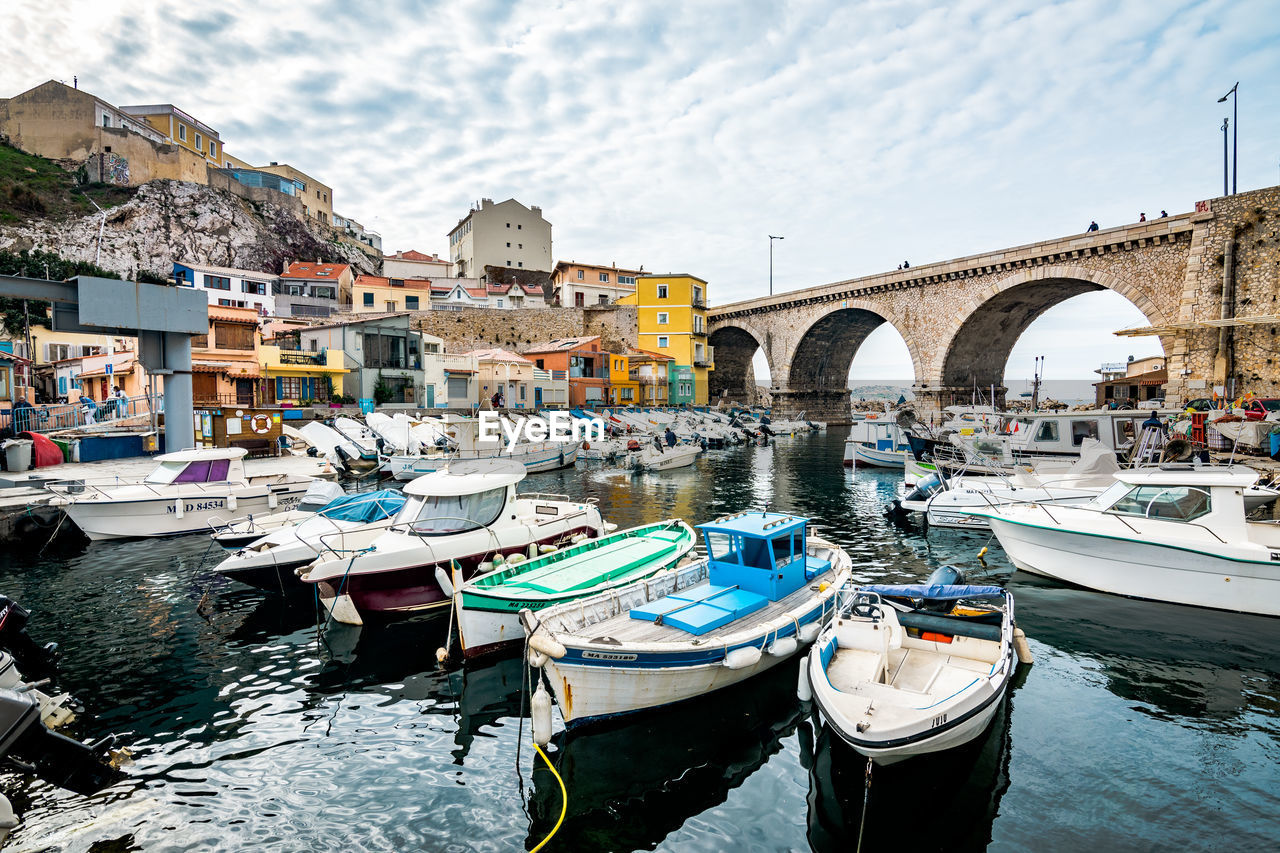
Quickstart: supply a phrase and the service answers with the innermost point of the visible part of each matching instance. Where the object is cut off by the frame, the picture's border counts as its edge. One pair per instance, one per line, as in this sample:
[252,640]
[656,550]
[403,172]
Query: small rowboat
[906,670]
[490,604]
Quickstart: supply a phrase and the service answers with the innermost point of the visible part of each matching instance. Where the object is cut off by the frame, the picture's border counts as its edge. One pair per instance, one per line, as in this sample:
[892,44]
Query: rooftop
[227,271]
[498,354]
[561,345]
[301,270]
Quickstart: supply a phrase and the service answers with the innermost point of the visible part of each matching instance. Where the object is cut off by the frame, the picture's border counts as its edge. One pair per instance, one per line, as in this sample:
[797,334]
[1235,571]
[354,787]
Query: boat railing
[1099,510]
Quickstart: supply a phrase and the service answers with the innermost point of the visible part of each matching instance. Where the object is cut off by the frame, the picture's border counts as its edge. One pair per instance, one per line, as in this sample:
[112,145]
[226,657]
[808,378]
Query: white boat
[270,562]
[609,450]
[1173,533]
[666,459]
[395,431]
[241,531]
[875,443]
[455,519]
[764,591]
[334,446]
[464,444]
[188,491]
[902,671]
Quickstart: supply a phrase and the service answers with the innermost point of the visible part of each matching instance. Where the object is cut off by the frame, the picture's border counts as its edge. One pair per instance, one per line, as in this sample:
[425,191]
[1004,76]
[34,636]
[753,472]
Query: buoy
[822,587]
[343,610]
[783,647]
[442,578]
[548,645]
[533,550]
[983,552]
[808,632]
[540,706]
[804,689]
[742,658]
[537,659]
[1022,647]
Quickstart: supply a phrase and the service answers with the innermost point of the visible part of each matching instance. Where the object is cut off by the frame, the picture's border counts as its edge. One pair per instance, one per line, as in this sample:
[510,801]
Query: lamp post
[771,239]
[1225,122]
[1235,137]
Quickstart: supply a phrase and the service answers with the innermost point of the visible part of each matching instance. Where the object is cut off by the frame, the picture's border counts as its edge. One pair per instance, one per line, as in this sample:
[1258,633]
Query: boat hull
[1142,569]
[870,457]
[159,516]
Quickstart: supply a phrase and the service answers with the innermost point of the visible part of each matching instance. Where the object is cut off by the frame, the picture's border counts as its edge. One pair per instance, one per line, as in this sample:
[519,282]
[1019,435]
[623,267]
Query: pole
[1225,123]
[771,266]
[1235,135]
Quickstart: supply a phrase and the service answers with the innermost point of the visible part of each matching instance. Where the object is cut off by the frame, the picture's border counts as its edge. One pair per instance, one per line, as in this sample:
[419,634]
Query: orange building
[224,363]
[586,364]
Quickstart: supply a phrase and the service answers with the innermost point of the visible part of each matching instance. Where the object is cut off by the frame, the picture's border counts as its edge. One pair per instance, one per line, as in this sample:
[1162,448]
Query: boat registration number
[198,506]
[618,656]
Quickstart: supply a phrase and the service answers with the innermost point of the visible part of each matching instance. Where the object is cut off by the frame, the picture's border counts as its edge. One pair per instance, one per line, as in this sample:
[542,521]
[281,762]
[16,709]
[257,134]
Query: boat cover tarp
[365,507]
[1096,462]
[1247,433]
[935,592]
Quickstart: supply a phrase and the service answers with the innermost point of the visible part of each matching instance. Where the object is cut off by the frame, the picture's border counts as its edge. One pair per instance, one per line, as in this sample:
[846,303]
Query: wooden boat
[490,604]
[875,444]
[903,671]
[764,590]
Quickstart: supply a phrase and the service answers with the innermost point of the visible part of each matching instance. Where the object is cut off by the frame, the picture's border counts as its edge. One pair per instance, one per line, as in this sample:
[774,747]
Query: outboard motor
[33,659]
[944,576]
[26,744]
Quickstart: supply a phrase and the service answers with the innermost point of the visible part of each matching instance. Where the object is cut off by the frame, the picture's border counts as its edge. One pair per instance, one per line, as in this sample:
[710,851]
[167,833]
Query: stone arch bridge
[961,318]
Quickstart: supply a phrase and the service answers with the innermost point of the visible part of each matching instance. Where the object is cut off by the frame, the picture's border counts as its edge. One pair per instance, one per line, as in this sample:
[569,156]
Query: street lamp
[1235,137]
[771,239]
[1225,122]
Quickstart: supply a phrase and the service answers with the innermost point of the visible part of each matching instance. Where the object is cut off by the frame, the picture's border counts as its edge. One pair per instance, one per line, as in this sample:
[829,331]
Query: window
[663,318]
[519,245]
[627,279]
[581,273]
[662,291]
[724,547]
[217,282]
[384,350]
[233,336]
[697,295]
[697,324]
[1048,431]
[213,148]
[411,303]
[662,342]
[106,120]
[499,301]
[396,282]
[258,288]
[508,224]
[391,305]
[519,227]
[520,264]
[182,132]
[602,299]
[183,278]
[444,514]
[578,300]
[289,388]
[199,143]
[1080,430]
[604,276]
[522,392]
[324,293]
[1172,503]
[368,300]
[508,244]
[508,262]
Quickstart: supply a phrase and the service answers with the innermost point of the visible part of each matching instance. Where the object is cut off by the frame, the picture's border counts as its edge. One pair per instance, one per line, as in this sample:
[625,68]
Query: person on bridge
[1142,217]
[1163,214]
[1093,226]
[906,265]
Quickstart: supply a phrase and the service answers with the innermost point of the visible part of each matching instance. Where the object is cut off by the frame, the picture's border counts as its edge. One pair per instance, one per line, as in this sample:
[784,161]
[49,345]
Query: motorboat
[1177,533]
[875,443]
[270,561]
[335,447]
[905,670]
[488,605]
[463,443]
[454,520]
[396,432]
[188,491]
[764,591]
[652,458]
[241,531]
[608,450]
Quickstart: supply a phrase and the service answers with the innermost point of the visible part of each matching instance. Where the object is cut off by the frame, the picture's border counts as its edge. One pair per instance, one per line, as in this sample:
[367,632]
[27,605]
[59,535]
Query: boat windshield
[203,471]
[1170,503]
[435,515]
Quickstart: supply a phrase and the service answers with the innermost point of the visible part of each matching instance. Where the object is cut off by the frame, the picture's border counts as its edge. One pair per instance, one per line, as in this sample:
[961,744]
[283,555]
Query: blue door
[537,398]
[431,396]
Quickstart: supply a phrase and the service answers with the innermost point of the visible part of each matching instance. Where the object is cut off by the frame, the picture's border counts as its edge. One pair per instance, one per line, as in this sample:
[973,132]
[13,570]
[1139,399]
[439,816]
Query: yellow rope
[564,800]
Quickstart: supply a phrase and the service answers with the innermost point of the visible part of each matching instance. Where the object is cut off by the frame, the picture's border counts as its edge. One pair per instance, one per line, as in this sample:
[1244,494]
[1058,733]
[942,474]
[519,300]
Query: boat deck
[583,570]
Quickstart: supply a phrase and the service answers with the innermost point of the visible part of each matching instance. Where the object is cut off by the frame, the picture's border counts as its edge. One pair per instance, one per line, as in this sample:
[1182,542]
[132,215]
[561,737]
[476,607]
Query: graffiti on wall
[109,168]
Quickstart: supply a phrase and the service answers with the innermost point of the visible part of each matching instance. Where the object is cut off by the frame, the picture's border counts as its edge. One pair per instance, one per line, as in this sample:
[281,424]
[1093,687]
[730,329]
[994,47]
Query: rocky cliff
[167,221]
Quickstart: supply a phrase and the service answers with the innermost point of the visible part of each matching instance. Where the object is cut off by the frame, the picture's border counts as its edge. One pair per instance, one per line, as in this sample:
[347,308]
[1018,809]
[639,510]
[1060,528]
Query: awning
[231,368]
[301,369]
[459,372]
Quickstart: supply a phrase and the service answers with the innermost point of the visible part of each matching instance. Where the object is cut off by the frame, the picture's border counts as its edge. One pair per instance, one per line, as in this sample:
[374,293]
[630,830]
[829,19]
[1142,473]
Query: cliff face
[168,221]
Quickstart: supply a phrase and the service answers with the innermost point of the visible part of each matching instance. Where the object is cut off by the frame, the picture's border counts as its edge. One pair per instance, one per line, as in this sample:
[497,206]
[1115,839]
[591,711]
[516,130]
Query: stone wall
[514,329]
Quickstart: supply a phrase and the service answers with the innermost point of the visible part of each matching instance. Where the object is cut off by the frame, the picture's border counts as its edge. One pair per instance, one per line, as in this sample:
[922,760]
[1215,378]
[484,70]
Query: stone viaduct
[961,318]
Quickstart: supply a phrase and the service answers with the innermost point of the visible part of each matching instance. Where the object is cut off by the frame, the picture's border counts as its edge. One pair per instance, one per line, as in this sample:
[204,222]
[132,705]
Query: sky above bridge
[679,135]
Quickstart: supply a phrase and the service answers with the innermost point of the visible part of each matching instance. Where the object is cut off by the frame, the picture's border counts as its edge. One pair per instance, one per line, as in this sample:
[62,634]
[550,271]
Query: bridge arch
[974,346]
[734,346]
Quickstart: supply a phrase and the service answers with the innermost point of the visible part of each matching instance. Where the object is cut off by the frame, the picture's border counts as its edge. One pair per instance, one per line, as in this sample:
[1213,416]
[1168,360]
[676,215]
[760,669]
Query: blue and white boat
[906,670]
[764,591]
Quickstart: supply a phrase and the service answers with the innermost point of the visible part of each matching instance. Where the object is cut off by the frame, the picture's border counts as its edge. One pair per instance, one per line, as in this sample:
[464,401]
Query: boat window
[1048,431]
[1080,430]
[435,515]
[1111,494]
[1171,503]
[723,547]
[164,473]
[1125,431]
[782,550]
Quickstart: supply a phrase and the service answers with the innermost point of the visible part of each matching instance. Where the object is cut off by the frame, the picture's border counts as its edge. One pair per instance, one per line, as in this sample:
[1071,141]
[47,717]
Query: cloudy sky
[678,135]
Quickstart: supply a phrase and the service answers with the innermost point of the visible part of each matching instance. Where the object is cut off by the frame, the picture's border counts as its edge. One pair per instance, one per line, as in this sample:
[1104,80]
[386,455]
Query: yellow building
[379,294]
[672,320]
[623,389]
[180,129]
[291,376]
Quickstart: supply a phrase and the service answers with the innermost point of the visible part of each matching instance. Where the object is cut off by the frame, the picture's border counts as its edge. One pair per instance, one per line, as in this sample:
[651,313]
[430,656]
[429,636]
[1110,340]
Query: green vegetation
[38,264]
[35,188]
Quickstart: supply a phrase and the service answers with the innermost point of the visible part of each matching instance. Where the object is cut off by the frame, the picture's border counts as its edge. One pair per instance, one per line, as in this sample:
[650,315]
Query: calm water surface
[1141,726]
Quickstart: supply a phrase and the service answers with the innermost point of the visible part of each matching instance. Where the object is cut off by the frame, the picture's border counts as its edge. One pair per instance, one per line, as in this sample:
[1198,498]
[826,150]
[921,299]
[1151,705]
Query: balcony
[303,358]
[702,362]
[700,304]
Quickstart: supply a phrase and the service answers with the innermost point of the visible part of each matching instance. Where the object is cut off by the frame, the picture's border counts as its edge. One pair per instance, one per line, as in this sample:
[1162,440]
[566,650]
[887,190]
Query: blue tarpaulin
[935,591]
[365,507]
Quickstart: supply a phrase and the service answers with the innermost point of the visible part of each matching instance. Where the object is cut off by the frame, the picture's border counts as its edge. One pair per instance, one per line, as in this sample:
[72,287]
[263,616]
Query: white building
[506,234]
[579,285]
[413,264]
[228,287]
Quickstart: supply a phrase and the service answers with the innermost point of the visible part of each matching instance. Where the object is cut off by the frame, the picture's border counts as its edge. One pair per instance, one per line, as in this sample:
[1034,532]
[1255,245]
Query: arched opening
[1080,334]
[818,379]
[736,351]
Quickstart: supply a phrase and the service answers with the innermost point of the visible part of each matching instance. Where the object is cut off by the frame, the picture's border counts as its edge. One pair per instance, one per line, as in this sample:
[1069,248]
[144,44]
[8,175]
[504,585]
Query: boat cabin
[209,465]
[1061,433]
[878,435]
[462,496]
[1211,497]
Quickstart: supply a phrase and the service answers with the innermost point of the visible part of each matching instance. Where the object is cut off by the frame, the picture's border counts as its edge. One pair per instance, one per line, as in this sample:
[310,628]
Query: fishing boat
[239,532]
[454,519]
[666,459]
[187,492]
[1172,533]
[875,444]
[906,670]
[270,561]
[764,590]
[489,604]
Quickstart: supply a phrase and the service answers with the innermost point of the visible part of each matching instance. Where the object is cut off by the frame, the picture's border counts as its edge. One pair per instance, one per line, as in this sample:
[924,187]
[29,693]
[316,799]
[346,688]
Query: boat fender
[808,632]
[742,658]
[442,654]
[540,705]
[343,610]
[1022,647]
[515,559]
[783,647]
[485,568]
[178,507]
[581,537]
[231,501]
[822,587]
[549,646]
[804,690]
[442,578]
[547,549]
[537,659]
[586,445]
[498,560]
[8,820]
[532,550]
[272,501]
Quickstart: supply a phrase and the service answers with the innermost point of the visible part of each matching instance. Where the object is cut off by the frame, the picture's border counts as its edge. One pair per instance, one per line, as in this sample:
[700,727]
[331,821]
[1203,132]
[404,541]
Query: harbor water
[1140,726]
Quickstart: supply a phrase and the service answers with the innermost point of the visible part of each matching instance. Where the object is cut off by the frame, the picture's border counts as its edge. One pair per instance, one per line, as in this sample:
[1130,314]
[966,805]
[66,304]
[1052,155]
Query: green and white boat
[489,605]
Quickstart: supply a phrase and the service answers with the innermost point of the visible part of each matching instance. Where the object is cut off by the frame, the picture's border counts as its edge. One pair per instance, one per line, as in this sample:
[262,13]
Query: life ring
[586,445]
[633,445]
[265,425]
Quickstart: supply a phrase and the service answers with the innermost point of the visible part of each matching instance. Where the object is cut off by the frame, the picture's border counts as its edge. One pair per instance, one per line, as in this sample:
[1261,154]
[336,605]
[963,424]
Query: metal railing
[296,357]
[60,416]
